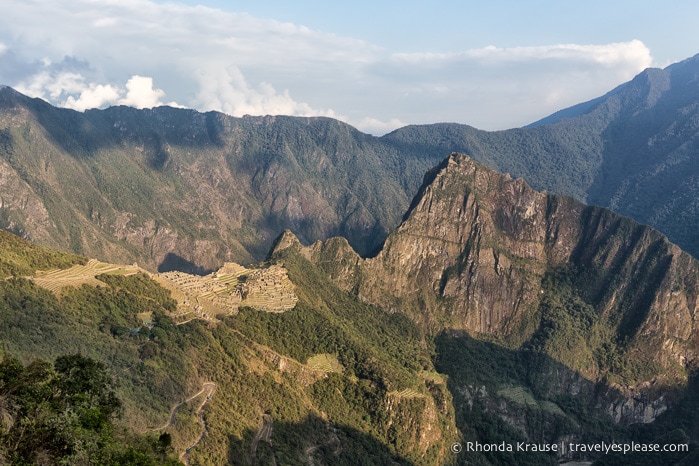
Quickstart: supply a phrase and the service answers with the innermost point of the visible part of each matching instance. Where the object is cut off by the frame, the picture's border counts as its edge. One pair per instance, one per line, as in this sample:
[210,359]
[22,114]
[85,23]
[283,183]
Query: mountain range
[394,303]
[178,189]
[632,150]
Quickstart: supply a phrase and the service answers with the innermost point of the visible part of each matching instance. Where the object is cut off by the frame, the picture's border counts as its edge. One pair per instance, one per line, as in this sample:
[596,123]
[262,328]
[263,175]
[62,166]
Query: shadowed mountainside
[174,188]
[171,187]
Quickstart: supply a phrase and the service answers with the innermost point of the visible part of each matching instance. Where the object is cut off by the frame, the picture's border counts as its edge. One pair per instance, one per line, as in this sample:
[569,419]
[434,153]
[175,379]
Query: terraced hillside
[222,292]
[78,275]
[228,289]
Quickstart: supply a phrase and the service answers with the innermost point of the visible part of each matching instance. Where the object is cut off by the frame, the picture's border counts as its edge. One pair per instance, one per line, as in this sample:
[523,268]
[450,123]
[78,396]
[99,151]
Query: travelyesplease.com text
[568,447]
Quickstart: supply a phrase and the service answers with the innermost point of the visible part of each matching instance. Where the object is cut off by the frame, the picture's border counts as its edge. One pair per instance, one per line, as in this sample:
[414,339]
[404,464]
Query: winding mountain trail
[211,387]
[207,387]
[265,433]
[184,456]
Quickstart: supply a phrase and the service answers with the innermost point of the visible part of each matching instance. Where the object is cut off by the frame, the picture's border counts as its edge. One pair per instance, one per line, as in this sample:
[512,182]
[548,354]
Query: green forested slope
[248,372]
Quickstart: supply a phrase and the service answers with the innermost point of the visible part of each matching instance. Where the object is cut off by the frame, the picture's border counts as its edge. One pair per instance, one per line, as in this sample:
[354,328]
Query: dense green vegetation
[381,353]
[496,389]
[102,323]
[573,333]
[374,411]
[328,320]
[64,415]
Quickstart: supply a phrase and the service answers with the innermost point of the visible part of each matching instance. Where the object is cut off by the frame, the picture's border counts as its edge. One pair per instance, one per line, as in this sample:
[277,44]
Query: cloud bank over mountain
[84,54]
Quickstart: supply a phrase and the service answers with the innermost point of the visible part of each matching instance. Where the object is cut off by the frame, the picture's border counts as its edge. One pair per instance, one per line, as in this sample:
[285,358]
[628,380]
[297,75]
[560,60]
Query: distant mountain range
[179,189]
[175,188]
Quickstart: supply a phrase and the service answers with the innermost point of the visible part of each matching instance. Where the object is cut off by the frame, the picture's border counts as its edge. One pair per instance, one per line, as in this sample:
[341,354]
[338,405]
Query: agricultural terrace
[78,275]
[325,363]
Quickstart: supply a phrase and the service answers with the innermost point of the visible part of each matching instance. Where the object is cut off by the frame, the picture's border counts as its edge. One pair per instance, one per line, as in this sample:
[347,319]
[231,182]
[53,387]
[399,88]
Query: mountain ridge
[153,182]
[199,169]
[535,300]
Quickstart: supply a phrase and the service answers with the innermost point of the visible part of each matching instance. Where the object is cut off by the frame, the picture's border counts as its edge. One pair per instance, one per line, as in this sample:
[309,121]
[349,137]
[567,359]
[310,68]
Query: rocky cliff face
[479,251]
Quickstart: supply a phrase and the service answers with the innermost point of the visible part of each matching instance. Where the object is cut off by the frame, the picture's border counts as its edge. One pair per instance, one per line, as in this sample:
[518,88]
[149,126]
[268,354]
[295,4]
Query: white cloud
[197,50]
[508,87]
[633,53]
[226,90]
[140,93]
[70,90]
[239,64]
[51,86]
[92,96]
[375,126]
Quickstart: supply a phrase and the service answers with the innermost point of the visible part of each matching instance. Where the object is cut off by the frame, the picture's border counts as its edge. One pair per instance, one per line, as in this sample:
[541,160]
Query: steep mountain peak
[10,97]
[458,163]
[286,240]
[456,185]
[483,252]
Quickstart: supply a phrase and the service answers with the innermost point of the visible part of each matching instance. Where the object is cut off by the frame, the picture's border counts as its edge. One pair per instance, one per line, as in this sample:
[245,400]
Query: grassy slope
[21,258]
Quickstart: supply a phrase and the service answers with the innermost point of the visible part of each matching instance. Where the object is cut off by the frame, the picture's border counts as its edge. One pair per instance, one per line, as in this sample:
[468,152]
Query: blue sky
[376,65]
[668,29]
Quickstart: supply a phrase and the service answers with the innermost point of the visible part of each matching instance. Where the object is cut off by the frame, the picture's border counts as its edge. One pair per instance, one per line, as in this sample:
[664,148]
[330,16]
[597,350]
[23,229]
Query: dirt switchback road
[209,388]
[265,433]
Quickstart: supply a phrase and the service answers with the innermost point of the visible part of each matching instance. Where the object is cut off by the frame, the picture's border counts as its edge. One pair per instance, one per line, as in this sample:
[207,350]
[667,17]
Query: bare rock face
[475,241]
[477,249]
[476,245]
[22,208]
